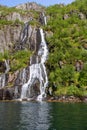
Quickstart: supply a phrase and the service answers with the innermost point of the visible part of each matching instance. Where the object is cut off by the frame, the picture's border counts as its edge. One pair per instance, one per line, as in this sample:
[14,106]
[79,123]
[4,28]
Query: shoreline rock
[62,99]
[69,99]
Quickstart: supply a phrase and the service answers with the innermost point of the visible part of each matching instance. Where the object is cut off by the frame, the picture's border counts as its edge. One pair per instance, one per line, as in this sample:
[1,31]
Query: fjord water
[43,116]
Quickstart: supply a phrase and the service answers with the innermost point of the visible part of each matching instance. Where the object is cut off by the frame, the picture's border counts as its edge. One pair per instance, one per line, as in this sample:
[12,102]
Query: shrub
[73,90]
[20,60]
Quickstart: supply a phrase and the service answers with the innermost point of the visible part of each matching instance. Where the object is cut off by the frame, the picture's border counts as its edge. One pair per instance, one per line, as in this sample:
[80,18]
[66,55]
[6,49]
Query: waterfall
[24,34]
[37,72]
[45,19]
[7,66]
[22,78]
[2,80]
[3,76]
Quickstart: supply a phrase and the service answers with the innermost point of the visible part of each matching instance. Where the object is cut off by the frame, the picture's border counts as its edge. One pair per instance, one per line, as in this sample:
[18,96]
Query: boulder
[82,16]
[66,16]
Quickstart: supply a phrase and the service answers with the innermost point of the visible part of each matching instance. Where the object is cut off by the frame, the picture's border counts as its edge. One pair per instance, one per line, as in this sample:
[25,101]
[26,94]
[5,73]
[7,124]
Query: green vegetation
[6,11]
[18,60]
[83,76]
[4,56]
[67,61]
[5,22]
[69,91]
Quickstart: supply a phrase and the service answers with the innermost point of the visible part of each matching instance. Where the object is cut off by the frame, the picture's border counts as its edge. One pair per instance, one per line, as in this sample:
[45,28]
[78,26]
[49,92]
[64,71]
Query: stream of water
[37,71]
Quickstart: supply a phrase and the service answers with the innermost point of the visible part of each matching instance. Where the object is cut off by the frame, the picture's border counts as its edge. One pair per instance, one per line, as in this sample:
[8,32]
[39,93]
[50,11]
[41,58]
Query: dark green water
[43,116]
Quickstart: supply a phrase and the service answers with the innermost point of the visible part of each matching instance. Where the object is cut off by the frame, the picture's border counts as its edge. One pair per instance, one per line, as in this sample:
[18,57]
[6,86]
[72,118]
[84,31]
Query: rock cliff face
[16,34]
[9,35]
[16,17]
[18,78]
[30,6]
[15,37]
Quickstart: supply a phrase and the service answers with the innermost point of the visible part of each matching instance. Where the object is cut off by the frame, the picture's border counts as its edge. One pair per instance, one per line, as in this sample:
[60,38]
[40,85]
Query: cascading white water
[3,76]
[2,80]
[44,53]
[37,71]
[7,66]
[45,19]
[24,33]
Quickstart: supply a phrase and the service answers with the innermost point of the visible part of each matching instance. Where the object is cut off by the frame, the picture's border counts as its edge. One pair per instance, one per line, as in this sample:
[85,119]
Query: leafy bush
[20,59]
[70,91]
[66,43]
[67,75]
[4,56]
[73,90]
[61,91]
[5,22]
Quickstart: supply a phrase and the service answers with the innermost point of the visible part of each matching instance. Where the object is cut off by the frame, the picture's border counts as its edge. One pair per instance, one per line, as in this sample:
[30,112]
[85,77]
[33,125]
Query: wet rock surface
[7,94]
[65,99]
